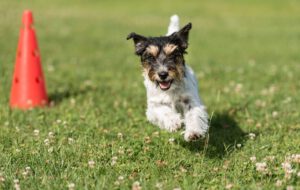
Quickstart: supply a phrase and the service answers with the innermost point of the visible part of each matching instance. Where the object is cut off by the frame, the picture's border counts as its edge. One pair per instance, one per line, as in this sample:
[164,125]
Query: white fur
[178,105]
[174,25]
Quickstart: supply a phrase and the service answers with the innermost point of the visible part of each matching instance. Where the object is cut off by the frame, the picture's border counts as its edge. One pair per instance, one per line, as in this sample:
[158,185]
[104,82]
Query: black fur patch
[163,52]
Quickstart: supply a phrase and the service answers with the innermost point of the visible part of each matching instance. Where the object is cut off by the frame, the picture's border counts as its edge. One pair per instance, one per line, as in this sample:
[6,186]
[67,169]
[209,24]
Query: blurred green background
[246,57]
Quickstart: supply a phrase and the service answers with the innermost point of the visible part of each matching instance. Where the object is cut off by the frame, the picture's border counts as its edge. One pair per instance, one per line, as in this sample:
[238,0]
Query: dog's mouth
[164,85]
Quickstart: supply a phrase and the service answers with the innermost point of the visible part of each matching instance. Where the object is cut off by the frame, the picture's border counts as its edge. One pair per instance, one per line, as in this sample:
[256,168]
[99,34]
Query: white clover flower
[25,174]
[71,186]
[288,170]
[258,125]
[71,140]
[296,158]
[252,136]
[238,87]
[260,103]
[287,100]
[50,149]
[182,169]
[270,158]
[286,166]
[120,135]
[2,178]
[274,114]
[36,132]
[73,101]
[278,183]
[177,188]
[114,160]
[121,150]
[156,133]
[51,135]
[159,185]
[28,169]
[50,68]
[171,140]
[91,163]
[229,186]
[17,187]
[197,154]
[17,184]
[129,152]
[261,167]
[136,186]
[147,140]
[253,158]
[47,142]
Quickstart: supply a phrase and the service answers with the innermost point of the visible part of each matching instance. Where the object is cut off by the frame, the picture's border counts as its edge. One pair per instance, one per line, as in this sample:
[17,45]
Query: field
[95,134]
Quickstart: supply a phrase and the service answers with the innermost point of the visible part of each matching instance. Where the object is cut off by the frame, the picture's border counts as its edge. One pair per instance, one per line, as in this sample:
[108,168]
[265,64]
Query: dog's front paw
[193,135]
[172,123]
[196,122]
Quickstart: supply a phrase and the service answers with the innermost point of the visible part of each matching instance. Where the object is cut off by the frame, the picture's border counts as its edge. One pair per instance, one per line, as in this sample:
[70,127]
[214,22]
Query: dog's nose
[163,75]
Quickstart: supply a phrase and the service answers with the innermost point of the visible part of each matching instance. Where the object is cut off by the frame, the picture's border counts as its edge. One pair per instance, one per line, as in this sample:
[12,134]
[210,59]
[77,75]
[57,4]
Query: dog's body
[172,88]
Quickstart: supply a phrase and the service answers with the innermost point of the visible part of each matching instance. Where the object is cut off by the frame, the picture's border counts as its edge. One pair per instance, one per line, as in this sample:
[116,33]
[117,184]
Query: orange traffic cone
[28,85]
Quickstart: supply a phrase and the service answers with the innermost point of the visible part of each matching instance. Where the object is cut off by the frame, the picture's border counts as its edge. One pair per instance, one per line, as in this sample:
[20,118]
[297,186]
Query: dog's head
[162,57]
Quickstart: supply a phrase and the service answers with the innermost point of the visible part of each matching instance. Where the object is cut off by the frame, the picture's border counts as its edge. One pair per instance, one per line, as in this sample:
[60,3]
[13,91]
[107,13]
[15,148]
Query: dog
[172,88]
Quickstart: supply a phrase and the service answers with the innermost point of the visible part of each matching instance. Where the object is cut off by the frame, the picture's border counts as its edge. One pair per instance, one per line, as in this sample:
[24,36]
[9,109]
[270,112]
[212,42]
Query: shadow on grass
[59,96]
[224,134]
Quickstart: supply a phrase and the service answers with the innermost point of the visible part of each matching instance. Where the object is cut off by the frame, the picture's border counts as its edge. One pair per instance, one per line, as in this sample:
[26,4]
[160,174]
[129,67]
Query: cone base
[29,105]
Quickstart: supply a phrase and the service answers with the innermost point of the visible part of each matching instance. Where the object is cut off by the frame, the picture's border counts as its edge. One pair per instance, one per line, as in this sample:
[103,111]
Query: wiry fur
[172,89]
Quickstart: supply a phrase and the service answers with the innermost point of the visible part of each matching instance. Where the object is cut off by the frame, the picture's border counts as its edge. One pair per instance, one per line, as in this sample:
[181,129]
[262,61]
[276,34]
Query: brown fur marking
[178,72]
[153,50]
[148,71]
[169,48]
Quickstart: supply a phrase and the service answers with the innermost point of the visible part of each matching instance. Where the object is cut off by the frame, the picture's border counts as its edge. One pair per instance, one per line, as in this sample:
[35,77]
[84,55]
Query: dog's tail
[174,25]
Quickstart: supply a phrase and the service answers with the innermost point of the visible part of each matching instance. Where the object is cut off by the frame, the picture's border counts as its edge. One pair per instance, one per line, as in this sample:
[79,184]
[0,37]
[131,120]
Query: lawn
[95,135]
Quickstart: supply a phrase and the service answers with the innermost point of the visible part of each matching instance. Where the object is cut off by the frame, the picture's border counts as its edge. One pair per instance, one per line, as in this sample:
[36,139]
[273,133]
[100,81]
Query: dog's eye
[150,58]
[173,56]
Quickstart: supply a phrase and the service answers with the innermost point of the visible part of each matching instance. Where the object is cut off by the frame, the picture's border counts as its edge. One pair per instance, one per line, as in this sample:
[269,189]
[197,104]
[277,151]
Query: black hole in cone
[16,80]
[37,80]
[35,53]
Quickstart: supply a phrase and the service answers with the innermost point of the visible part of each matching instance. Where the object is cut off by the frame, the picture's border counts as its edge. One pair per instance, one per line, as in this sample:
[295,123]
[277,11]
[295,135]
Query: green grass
[247,58]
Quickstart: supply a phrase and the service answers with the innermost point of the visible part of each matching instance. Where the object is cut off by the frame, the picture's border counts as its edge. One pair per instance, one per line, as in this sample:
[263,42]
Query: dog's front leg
[196,123]
[164,116]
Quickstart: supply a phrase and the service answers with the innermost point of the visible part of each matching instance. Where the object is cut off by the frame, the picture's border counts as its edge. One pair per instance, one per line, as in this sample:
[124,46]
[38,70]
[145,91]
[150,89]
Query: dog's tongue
[164,85]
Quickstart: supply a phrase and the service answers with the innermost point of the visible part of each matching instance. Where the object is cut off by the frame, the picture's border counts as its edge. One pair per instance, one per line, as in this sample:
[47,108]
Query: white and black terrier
[172,88]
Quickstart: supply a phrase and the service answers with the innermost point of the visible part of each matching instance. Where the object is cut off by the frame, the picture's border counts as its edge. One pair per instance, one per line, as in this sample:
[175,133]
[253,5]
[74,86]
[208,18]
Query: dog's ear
[140,42]
[182,36]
